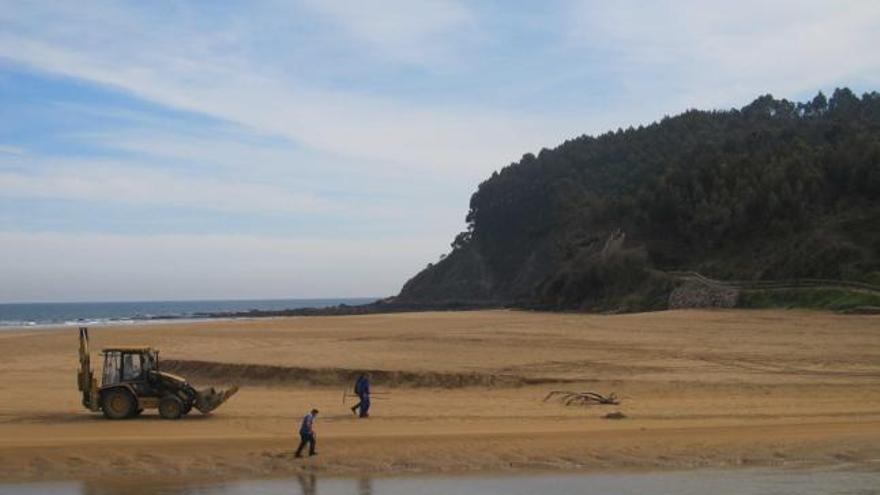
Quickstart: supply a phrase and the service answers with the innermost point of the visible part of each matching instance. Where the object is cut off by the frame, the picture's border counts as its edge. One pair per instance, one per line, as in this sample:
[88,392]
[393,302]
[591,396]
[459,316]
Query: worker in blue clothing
[362,390]
[307,433]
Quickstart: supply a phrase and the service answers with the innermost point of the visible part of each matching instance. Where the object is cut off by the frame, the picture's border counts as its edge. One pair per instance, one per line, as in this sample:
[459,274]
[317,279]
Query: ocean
[96,313]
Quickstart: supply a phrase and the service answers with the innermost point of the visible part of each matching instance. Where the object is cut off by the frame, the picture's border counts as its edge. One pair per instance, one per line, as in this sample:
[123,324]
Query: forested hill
[775,190]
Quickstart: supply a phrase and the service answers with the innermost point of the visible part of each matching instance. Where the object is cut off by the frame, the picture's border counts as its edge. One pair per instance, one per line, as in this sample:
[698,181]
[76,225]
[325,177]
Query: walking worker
[307,433]
[362,390]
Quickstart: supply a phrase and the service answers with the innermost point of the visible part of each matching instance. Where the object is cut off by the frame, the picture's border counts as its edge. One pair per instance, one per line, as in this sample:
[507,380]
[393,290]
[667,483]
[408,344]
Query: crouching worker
[307,433]
[362,389]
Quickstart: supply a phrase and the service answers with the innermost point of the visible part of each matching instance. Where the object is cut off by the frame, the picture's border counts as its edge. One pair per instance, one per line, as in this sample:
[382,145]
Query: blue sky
[317,148]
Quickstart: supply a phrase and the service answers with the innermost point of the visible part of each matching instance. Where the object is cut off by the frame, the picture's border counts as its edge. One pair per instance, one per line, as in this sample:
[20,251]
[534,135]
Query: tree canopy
[773,190]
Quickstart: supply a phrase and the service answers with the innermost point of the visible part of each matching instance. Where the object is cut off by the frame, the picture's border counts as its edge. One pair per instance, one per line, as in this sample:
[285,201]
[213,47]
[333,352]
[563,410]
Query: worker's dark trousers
[306,438]
[364,406]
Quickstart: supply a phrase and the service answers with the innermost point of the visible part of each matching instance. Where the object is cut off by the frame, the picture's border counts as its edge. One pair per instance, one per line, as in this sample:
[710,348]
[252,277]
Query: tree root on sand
[570,398]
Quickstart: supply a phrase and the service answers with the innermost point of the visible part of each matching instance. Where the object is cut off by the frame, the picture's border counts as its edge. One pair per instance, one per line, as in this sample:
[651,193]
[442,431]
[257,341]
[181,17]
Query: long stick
[381,396]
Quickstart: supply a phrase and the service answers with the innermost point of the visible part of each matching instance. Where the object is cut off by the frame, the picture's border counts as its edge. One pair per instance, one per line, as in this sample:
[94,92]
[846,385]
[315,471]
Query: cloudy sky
[320,148]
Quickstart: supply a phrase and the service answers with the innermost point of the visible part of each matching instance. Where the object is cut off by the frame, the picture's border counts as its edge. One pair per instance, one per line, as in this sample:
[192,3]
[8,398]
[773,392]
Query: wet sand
[699,389]
[686,482]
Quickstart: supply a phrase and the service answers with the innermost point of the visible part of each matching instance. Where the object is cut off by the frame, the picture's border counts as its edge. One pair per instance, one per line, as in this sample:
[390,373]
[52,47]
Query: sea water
[697,482]
[94,313]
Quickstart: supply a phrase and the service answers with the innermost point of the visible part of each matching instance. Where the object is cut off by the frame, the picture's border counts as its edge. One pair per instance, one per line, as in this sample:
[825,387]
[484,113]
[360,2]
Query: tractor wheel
[118,404]
[170,407]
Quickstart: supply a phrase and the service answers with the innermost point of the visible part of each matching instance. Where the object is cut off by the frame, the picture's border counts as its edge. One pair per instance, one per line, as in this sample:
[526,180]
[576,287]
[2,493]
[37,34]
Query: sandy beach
[463,392]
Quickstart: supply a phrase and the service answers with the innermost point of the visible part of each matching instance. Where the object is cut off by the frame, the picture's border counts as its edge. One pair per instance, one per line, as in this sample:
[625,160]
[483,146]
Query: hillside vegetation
[775,190]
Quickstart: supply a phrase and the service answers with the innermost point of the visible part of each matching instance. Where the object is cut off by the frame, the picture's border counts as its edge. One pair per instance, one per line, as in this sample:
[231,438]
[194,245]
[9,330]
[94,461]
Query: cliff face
[775,190]
[462,276]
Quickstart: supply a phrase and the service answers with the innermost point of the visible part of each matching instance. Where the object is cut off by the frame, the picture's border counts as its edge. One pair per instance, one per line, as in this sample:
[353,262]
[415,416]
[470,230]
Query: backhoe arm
[85,378]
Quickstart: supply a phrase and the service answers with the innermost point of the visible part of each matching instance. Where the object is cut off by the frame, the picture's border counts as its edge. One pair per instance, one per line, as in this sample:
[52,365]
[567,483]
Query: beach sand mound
[270,375]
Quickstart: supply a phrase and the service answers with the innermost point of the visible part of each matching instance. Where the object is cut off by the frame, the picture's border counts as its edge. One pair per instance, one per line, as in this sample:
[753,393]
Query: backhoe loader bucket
[209,399]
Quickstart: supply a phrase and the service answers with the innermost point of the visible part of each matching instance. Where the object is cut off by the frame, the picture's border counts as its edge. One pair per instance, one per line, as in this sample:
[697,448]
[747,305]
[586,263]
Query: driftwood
[569,398]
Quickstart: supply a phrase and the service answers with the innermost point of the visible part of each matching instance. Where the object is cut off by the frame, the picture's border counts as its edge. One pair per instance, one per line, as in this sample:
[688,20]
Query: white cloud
[411,31]
[12,150]
[715,54]
[115,184]
[82,267]
[187,73]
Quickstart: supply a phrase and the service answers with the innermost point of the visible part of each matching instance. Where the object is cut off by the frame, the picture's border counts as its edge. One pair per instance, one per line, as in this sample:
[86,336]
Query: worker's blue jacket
[305,428]
[362,387]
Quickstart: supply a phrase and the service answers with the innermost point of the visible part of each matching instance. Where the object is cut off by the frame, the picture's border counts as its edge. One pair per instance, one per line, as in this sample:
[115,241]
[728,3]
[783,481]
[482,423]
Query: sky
[320,148]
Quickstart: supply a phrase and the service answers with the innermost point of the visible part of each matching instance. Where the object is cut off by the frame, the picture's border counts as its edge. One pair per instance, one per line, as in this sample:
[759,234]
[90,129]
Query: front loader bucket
[209,399]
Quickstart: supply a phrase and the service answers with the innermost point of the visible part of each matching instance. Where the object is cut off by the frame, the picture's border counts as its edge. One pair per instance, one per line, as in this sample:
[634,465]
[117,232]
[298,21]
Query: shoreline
[119,323]
[14,316]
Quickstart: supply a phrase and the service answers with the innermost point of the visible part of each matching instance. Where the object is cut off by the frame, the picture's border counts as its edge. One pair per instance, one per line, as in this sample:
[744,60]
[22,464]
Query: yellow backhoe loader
[132,381]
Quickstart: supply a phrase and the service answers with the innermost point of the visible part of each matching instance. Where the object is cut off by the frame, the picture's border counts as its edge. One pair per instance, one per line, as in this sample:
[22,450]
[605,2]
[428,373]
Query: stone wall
[694,294]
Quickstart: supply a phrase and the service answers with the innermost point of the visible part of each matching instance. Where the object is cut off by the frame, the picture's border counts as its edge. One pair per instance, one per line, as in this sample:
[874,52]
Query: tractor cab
[131,366]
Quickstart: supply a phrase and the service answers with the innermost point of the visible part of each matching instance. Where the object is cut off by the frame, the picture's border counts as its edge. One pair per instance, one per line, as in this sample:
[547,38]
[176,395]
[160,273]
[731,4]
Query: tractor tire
[170,407]
[118,404]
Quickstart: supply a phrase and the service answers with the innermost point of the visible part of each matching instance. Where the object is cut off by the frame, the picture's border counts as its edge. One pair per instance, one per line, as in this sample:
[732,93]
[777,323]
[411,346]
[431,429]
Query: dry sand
[699,389]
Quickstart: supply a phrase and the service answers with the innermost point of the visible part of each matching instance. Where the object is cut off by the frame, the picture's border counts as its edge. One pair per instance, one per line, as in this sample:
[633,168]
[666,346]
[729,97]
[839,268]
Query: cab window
[150,360]
[131,367]
[112,366]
